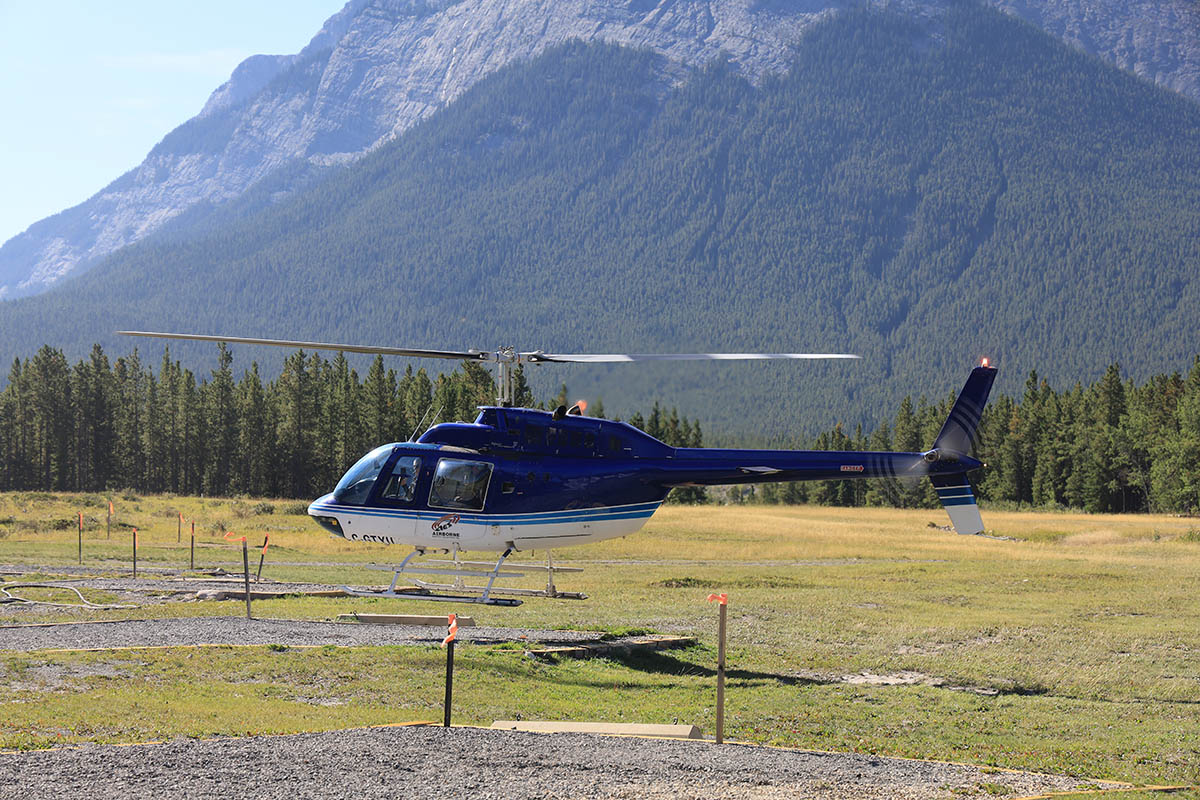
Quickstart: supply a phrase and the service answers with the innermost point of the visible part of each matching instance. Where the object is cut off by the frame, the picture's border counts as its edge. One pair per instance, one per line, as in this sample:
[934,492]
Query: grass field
[1073,646]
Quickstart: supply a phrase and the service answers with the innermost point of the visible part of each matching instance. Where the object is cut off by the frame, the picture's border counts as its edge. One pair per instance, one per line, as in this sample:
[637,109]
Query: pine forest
[1112,446]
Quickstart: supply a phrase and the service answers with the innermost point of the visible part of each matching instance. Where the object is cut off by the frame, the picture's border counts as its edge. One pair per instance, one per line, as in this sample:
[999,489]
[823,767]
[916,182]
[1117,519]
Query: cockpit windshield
[355,485]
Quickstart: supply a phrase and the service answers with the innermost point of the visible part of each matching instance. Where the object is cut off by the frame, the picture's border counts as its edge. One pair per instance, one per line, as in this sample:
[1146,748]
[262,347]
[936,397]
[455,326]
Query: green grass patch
[1071,648]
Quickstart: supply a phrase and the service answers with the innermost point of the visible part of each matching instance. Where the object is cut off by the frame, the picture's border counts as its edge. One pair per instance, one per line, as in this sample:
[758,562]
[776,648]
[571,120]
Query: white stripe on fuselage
[476,531]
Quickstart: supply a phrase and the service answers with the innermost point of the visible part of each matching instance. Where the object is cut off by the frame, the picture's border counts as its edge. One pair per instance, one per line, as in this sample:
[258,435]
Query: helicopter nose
[322,516]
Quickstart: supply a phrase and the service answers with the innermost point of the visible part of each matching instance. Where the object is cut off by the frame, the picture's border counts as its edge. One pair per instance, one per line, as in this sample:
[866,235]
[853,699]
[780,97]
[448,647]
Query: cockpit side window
[403,480]
[460,484]
[355,485]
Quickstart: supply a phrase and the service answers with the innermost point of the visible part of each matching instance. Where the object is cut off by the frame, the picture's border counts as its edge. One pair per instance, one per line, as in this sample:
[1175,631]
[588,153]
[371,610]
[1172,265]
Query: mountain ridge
[999,195]
[378,66]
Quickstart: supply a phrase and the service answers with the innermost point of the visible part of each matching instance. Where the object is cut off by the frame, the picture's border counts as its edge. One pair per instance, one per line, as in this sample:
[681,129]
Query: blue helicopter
[521,479]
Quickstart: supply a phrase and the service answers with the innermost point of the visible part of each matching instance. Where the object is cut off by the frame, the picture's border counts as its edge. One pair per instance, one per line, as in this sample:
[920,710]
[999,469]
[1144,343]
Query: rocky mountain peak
[379,66]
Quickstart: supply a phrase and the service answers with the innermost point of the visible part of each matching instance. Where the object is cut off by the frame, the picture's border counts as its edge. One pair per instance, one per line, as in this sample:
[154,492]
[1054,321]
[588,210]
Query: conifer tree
[220,425]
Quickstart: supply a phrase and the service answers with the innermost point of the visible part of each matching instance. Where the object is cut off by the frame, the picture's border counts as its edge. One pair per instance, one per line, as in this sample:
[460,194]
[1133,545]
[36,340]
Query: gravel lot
[466,762]
[239,630]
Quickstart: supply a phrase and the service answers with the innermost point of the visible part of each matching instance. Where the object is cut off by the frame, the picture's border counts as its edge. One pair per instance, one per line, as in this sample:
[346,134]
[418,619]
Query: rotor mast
[506,357]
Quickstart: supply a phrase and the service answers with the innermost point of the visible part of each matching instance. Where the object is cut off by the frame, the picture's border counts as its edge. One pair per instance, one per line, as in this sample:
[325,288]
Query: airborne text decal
[852,468]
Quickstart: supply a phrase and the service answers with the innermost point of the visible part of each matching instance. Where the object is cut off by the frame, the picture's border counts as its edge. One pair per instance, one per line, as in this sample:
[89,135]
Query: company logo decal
[852,468]
[445,521]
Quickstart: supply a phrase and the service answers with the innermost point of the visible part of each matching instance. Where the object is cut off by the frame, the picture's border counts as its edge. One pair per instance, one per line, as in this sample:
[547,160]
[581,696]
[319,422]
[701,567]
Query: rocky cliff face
[379,66]
[1158,40]
[375,69]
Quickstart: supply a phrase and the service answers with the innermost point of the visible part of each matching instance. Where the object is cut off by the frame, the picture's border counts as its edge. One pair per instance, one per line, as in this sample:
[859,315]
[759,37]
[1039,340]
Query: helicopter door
[400,492]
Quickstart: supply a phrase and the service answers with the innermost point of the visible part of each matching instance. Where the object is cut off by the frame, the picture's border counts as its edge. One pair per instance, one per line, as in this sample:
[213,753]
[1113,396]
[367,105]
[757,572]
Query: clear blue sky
[87,88]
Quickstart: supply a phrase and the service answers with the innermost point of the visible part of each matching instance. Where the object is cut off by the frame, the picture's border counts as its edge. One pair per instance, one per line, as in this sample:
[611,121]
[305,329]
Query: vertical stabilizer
[961,427]
[954,443]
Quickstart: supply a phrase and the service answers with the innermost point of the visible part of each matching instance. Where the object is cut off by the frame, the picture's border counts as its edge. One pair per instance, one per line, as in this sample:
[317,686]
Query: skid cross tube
[487,592]
[483,592]
[403,564]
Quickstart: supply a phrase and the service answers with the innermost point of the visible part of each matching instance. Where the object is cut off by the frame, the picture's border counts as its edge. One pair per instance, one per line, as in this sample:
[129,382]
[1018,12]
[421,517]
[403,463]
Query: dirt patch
[756,582]
[51,677]
[901,678]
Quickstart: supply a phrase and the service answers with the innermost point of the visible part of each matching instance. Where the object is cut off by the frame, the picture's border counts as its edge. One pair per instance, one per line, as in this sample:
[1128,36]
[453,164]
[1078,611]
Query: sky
[87,88]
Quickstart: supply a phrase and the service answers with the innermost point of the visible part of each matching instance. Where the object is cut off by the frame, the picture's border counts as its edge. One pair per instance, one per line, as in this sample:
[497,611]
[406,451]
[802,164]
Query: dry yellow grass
[1083,631]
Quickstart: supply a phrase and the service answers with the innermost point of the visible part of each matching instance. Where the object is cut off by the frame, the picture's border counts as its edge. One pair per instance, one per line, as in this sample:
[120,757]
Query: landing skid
[420,593]
[459,591]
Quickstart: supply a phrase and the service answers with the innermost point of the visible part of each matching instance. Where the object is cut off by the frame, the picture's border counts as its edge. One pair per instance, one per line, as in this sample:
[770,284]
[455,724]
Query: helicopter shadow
[660,663]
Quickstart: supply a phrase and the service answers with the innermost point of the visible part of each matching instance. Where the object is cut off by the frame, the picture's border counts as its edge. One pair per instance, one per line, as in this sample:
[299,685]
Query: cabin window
[403,480]
[535,435]
[614,444]
[355,485]
[488,417]
[589,441]
[460,484]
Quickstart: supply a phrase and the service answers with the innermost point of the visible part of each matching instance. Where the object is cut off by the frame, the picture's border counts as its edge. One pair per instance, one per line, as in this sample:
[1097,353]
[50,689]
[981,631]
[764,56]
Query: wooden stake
[721,675]
[192,557]
[722,600]
[80,537]
[135,552]
[448,643]
[261,558]
[179,530]
[246,575]
[449,682]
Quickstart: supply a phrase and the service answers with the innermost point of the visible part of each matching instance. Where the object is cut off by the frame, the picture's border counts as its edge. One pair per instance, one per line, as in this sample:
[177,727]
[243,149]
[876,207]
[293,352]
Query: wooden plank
[405,619]
[602,728]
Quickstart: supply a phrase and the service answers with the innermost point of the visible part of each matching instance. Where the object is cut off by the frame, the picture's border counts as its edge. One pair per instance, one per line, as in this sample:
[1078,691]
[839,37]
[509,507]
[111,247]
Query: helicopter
[523,479]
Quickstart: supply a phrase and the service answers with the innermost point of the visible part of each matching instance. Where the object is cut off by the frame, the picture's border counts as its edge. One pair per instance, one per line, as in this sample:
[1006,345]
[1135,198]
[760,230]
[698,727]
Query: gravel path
[435,762]
[239,630]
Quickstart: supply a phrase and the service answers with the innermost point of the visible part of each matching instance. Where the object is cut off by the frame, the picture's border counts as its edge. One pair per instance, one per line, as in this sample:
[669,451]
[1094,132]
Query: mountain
[1158,40]
[922,192]
[379,66]
[376,68]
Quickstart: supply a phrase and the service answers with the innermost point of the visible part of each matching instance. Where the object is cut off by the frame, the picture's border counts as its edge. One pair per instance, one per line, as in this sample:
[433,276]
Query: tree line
[105,425]
[1113,446]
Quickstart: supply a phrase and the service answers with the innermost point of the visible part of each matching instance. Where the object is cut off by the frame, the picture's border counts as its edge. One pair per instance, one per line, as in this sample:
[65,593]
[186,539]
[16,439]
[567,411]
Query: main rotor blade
[601,358]
[474,355]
